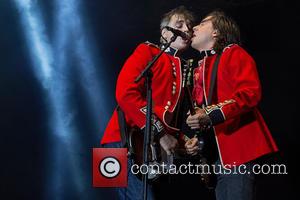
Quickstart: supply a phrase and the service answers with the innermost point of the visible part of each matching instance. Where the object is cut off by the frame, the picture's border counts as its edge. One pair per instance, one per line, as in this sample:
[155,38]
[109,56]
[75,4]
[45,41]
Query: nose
[185,28]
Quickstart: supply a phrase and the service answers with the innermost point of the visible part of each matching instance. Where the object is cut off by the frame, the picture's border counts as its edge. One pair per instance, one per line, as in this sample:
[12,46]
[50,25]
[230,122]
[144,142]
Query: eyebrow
[180,21]
[205,20]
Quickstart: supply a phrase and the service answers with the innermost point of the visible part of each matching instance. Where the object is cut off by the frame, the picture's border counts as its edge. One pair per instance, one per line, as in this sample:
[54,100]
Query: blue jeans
[134,189]
[237,186]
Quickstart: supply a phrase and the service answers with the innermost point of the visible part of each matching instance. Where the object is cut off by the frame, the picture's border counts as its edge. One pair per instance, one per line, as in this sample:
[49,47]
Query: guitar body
[156,154]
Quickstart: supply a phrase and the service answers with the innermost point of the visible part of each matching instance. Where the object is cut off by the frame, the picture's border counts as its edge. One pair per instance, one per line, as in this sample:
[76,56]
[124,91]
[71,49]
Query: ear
[215,33]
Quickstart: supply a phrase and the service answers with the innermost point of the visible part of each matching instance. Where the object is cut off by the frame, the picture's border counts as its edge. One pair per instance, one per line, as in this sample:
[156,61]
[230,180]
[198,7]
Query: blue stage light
[37,40]
[53,66]
[72,33]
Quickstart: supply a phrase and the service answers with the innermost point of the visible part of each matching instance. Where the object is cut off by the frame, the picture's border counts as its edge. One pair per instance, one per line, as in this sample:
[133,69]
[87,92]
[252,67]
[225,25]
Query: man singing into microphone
[166,86]
[227,102]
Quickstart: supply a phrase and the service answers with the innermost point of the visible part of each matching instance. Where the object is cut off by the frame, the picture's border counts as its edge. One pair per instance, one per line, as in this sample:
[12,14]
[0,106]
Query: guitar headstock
[188,72]
[189,78]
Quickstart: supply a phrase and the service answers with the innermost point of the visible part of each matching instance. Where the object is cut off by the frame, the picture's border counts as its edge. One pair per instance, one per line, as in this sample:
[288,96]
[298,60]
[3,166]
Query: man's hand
[199,121]
[168,143]
[192,146]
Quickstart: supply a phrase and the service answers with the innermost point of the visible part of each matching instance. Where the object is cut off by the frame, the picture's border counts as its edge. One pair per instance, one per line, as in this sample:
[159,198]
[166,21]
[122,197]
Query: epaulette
[151,44]
[228,47]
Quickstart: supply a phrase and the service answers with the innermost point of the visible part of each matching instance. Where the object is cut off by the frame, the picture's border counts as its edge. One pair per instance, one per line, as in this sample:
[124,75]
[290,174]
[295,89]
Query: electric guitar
[203,161]
[156,153]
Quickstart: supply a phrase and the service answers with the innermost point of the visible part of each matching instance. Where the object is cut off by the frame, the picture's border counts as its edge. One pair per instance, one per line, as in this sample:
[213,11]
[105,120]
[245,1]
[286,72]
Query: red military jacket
[131,96]
[240,130]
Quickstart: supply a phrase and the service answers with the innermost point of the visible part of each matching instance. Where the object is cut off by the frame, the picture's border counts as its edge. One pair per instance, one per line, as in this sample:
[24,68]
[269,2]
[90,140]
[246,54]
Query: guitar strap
[209,139]
[213,79]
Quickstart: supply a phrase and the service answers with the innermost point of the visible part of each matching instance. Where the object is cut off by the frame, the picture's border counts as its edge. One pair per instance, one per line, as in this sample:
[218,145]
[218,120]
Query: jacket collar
[207,53]
[170,50]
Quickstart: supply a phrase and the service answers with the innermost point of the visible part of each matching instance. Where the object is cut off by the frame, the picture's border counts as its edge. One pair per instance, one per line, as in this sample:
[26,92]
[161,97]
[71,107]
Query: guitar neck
[190,100]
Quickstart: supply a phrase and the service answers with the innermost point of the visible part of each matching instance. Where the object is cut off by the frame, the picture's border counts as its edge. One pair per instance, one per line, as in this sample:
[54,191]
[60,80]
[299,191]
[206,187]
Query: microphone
[177,32]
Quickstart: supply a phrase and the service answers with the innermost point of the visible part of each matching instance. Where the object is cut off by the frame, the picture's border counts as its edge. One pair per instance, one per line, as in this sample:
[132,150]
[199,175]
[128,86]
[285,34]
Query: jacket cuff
[156,127]
[215,114]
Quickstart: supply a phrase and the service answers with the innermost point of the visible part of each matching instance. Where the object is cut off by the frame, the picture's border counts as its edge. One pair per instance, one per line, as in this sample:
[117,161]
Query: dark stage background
[37,162]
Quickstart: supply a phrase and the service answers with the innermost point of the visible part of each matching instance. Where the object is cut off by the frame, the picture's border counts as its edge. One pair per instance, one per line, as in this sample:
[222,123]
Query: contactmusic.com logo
[110,167]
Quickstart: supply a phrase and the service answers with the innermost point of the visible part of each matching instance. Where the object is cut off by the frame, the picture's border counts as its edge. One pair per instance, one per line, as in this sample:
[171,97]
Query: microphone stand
[147,134]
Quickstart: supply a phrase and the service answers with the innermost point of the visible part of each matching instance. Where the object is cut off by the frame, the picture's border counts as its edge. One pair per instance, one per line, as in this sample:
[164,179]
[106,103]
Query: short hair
[228,30]
[180,11]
